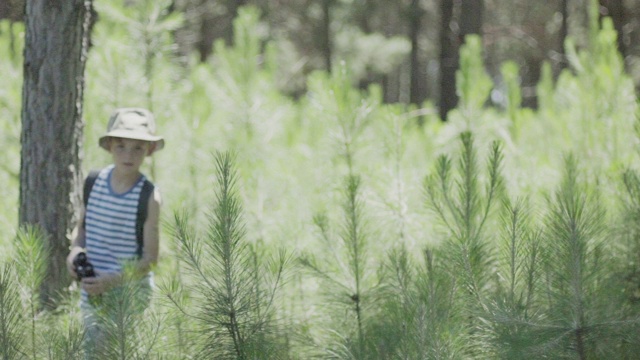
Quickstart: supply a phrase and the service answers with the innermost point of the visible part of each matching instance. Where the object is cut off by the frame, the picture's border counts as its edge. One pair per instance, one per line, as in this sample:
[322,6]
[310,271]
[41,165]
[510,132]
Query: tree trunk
[470,22]
[471,17]
[364,10]
[448,60]
[362,13]
[564,32]
[615,10]
[207,34]
[56,41]
[417,87]
[232,11]
[325,34]
[12,10]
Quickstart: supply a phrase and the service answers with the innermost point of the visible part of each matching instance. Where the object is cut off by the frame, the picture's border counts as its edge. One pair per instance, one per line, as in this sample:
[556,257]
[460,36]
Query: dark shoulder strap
[143,204]
[88,185]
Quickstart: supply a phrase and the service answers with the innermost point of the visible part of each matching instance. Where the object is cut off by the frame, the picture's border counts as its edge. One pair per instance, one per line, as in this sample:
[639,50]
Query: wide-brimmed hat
[132,123]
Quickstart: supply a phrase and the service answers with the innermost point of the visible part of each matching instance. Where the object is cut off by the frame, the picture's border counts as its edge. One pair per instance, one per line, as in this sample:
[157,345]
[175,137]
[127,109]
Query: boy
[107,227]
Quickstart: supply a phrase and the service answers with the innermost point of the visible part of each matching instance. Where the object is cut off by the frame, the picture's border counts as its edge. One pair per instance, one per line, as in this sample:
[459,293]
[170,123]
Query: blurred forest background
[364,226]
[409,47]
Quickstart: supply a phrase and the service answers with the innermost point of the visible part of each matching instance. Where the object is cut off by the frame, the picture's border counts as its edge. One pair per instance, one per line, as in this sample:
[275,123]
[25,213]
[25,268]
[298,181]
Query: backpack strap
[143,204]
[88,185]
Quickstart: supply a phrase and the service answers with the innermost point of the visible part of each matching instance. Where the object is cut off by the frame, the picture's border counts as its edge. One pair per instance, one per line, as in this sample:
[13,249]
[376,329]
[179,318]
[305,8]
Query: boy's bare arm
[77,244]
[151,238]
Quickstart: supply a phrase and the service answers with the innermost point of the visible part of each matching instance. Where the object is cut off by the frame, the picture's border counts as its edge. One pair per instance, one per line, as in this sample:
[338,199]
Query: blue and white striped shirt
[110,229]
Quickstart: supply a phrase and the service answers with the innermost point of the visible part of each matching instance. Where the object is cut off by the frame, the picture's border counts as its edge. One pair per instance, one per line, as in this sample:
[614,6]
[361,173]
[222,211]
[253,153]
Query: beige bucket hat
[132,123]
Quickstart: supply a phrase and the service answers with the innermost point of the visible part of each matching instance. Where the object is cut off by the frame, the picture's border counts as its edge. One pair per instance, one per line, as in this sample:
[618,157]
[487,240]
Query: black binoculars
[82,266]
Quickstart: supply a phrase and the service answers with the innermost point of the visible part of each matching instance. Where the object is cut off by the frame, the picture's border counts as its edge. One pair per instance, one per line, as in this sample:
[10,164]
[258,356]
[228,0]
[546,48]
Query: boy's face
[128,154]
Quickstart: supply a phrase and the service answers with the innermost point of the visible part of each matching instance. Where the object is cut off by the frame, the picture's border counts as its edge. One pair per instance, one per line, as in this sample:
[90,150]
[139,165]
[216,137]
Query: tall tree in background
[14,11]
[325,33]
[417,91]
[364,10]
[564,32]
[205,22]
[363,14]
[471,17]
[56,42]
[207,27]
[469,22]
[615,10]
[310,35]
[232,13]
[448,59]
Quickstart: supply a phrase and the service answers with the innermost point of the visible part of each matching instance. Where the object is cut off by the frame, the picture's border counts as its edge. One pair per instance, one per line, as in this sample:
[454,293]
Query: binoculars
[82,266]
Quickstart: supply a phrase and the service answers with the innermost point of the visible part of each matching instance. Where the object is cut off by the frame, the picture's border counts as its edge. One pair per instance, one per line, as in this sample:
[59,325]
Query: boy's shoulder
[147,186]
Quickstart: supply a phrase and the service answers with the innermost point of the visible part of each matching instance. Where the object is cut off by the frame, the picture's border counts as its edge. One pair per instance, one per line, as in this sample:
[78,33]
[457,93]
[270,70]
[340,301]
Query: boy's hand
[72,255]
[71,269]
[100,283]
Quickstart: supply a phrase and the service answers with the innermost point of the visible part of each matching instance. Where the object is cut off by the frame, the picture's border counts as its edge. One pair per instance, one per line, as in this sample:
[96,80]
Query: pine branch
[11,319]
[435,197]
[532,269]
[191,247]
[519,252]
[495,182]
[467,188]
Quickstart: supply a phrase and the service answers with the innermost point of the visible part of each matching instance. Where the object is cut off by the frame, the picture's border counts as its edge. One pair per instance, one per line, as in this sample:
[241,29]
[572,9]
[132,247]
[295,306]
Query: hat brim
[124,134]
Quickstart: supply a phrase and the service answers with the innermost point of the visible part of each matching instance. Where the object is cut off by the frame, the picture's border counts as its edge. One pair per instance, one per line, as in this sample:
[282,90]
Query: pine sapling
[235,308]
[345,107]
[576,309]
[575,226]
[31,264]
[463,208]
[63,334]
[129,330]
[12,328]
[347,276]
[180,338]
[518,278]
[444,324]
[418,317]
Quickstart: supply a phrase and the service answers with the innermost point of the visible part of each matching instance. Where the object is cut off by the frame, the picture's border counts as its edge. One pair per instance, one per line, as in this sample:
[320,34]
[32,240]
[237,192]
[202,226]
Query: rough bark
[56,41]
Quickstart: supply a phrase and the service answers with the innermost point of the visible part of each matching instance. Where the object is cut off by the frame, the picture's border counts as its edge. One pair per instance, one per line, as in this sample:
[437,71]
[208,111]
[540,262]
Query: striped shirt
[111,225]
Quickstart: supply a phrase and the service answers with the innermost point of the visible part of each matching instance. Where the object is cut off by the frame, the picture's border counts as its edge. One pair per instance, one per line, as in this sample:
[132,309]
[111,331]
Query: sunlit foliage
[504,232]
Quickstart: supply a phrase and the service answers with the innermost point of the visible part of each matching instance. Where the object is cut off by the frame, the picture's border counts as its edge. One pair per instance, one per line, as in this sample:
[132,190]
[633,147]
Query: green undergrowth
[504,232]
